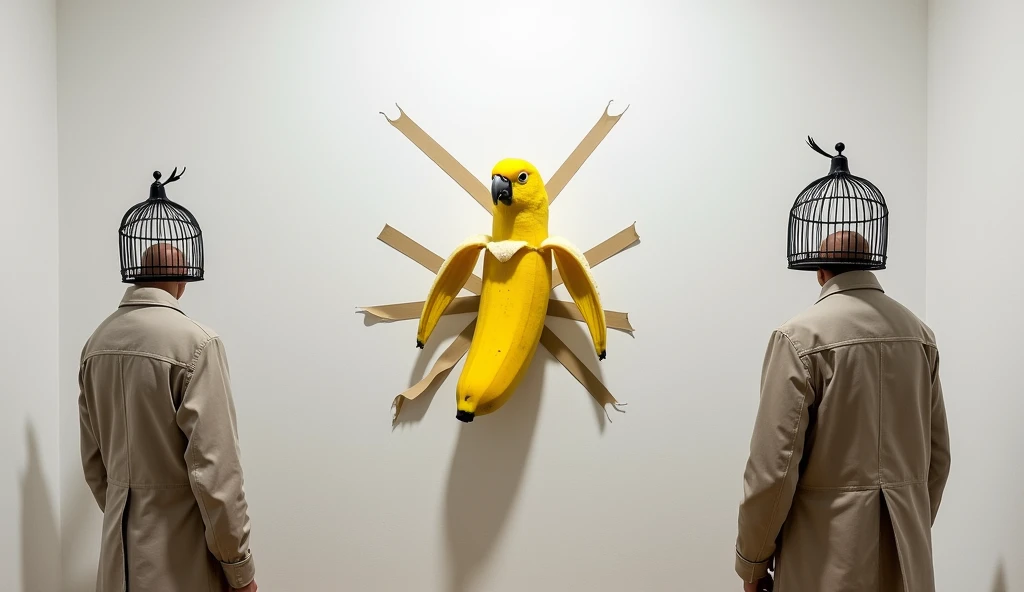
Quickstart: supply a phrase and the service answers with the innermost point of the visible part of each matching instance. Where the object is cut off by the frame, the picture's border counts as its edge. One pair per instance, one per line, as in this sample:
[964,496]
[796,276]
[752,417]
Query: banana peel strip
[431,261]
[425,257]
[438,372]
[586,147]
[410,311]
[442,158]
[606,250]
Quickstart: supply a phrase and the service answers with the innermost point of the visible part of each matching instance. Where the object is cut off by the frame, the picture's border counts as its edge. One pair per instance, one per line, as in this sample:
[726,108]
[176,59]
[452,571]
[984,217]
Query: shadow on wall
[40,538]
[485,474]
[80,535]
[999,585]
[490,459]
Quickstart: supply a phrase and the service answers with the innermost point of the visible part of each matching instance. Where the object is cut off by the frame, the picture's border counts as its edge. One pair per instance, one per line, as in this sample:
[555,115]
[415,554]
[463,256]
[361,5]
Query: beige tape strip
[422,255]
[586,147]
[577,368]
[408,311]
[442,158]
[438,373]
[604,251]
[569,310]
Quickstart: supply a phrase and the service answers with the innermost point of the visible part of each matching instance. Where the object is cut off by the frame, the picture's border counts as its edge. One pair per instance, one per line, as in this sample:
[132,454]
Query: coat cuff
[242,573]
[750,571]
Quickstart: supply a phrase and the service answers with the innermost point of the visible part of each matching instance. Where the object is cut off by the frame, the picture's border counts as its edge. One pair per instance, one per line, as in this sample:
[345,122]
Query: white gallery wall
[274,108]
[29,436]
[974,285]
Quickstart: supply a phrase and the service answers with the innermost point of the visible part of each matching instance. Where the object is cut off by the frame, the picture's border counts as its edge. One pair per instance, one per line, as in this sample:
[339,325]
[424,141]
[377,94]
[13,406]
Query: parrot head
[520,201]
[517,185]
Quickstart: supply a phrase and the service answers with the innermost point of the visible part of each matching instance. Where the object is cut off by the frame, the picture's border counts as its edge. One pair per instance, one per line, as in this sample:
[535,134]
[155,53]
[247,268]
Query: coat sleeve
[207,418]
[776,448]
[938,469]
[92,458]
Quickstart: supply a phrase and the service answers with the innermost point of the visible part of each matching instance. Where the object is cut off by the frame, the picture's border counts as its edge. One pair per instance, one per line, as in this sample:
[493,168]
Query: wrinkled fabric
[160,451]
[850,449]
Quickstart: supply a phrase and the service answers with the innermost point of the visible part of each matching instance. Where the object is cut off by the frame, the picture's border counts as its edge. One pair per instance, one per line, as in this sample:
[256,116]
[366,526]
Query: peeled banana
[516,287]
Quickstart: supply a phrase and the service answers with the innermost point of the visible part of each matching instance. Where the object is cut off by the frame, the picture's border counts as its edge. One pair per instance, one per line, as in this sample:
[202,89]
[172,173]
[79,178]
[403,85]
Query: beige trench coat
[160,452]
[850,452]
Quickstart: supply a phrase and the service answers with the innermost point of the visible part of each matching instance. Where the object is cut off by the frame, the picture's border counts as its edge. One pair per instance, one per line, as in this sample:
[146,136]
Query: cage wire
[838,222]
[160,241]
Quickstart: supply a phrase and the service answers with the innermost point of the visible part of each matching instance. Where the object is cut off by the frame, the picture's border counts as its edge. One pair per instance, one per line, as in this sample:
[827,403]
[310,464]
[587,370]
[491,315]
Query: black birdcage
[839,222]
[160,240]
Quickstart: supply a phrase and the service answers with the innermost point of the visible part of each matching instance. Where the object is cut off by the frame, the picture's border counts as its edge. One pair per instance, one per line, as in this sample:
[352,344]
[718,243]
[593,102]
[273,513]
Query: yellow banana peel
[516,288]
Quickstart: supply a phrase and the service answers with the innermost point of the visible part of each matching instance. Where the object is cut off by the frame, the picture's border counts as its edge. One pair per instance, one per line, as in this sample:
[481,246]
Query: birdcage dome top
[160,240]
[839,221]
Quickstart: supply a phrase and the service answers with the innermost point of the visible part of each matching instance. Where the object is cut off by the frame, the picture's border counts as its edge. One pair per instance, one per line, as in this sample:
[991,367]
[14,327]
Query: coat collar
[851,280]
[140,296]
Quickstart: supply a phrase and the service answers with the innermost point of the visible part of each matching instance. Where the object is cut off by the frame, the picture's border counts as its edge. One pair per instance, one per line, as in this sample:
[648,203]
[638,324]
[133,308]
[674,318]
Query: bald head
[845,245]
[163,259]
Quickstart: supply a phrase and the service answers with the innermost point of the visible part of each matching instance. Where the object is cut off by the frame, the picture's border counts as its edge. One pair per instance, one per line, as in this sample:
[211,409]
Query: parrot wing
[450,280]
[579,281]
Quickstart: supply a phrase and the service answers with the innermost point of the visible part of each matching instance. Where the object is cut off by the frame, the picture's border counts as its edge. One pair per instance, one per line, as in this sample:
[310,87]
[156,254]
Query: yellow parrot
[516,288]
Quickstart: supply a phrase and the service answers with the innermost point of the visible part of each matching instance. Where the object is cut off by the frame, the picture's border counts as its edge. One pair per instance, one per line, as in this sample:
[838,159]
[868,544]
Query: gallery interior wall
[29,436]
[292,171]
[974,283]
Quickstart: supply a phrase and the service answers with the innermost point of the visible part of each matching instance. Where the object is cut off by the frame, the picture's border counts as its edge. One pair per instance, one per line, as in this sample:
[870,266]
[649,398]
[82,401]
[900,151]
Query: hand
[250,588]
[749,587]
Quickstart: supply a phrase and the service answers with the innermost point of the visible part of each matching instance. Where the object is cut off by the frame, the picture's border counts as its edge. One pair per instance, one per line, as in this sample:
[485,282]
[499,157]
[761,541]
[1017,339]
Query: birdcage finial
[156,190]
[818,149]
[839,162]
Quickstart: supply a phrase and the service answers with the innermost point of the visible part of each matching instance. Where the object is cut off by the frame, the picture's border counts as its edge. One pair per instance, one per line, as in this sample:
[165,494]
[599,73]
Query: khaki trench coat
[850,451]
[160,452]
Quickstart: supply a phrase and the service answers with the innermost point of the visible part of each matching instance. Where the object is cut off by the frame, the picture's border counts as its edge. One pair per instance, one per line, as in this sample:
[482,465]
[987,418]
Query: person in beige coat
[850,451]
[160,447]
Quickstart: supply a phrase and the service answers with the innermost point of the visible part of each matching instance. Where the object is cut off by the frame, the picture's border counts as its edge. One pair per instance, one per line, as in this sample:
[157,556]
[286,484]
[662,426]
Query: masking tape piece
[586,147]
[577,368]
[443,159]
[422,255]
[604,251]
[438,372]
[569,310]
[408,311]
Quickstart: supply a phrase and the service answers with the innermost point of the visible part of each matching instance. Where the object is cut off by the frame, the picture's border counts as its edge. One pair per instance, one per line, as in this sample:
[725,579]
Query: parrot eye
[523,177]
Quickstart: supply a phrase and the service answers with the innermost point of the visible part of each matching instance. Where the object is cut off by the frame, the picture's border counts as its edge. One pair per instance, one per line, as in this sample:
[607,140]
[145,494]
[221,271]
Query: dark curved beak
[501,190]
